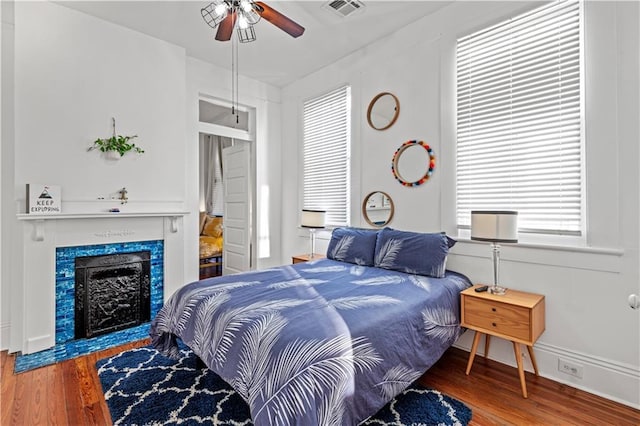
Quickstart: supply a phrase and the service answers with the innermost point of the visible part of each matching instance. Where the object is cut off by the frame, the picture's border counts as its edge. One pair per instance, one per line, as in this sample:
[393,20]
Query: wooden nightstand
[516,316]
[305,257]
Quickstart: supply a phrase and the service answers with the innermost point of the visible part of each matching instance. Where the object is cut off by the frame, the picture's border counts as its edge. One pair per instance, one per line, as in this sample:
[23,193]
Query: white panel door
[237,208]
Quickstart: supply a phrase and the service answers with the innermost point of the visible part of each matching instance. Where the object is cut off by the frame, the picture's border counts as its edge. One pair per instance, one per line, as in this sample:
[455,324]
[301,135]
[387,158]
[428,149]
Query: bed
[324,342]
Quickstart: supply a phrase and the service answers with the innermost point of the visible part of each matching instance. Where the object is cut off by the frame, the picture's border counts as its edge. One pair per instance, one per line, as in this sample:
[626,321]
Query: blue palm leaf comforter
[316,343]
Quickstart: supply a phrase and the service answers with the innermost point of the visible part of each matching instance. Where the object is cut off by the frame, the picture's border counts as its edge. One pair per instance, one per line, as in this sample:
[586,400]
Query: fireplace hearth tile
[76,348]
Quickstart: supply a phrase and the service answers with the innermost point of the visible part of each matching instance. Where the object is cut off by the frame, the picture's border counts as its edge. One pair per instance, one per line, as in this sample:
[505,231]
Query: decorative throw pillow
[212,227]
[353,245]
[450,241]
[412,252]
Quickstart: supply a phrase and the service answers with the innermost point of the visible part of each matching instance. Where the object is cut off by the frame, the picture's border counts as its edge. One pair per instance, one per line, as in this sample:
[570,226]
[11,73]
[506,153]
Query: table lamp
[312,219]
[495,227]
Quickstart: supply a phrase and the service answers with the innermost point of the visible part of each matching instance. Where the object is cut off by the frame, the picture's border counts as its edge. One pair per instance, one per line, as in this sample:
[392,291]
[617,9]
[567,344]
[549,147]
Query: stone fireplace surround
[67,275]
[68,345]
[33,315]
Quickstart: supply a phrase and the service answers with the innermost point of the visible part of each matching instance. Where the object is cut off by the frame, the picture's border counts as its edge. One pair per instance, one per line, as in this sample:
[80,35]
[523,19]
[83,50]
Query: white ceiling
[275,57]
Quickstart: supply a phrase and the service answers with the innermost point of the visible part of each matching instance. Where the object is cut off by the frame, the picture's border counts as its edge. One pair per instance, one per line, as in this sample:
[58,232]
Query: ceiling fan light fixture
[242,15]
[246,5]
[214,12]
[221,9]
[242,22]
[246,35]
[252,16]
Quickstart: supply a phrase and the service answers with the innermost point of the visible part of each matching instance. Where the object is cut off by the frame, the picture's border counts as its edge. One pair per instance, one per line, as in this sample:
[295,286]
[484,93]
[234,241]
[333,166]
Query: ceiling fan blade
[279,20]
[225,28]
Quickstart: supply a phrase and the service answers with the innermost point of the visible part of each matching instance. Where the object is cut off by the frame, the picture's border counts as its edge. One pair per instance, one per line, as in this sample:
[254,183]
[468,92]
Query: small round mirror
[413,163]
[383,111]
[377,209]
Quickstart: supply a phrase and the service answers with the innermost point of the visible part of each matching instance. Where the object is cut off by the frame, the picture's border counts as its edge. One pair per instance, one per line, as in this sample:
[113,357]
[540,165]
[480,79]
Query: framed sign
[43,199]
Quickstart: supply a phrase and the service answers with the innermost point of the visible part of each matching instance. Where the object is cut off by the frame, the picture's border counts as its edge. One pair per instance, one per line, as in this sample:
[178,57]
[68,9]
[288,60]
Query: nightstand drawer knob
[493,309]
[494,324]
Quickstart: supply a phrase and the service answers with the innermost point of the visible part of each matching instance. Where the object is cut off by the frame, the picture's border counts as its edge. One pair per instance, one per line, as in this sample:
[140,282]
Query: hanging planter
[116,146]
[111,155]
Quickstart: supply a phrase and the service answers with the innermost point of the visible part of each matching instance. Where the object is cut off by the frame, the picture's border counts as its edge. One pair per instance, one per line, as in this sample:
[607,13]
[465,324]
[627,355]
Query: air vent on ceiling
[344,7]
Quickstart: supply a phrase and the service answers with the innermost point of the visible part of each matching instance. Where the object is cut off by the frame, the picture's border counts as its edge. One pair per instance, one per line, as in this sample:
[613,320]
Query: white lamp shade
[313,218]
[494,226]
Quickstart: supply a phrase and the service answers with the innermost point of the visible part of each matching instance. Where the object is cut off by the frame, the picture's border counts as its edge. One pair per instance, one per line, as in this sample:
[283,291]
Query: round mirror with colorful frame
[413,163]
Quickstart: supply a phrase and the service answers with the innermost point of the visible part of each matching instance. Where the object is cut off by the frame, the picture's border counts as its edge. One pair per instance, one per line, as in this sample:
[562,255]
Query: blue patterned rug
[142,387]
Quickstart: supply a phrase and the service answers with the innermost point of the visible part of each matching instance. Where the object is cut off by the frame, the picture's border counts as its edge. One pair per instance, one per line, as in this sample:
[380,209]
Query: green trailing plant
[117,143]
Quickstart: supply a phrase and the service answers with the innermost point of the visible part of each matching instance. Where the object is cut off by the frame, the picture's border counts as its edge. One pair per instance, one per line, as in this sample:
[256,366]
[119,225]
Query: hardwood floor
[492,391]
[69,393]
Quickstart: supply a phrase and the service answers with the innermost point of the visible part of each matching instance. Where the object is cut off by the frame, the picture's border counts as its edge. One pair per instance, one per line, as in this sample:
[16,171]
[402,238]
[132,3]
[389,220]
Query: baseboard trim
[40,343]
[606,378]
[5,332]
[610,379]
[614,366]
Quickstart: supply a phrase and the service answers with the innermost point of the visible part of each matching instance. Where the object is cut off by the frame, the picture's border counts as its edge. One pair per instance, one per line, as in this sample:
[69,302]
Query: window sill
[567,248]
[587,258]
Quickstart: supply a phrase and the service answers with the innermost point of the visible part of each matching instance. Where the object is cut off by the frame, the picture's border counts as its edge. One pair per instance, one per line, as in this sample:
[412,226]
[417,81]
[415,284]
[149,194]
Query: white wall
[7,212]
[70,73]
[588,320]
[73,72]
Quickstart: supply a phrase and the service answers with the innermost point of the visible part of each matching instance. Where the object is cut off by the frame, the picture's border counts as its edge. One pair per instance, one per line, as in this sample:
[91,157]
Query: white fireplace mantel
[33,289]
[39,219]
[23,216]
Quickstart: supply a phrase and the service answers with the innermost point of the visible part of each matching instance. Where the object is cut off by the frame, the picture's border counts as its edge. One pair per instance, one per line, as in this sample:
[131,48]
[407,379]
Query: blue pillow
[353,245]
[450,241]
[412,252]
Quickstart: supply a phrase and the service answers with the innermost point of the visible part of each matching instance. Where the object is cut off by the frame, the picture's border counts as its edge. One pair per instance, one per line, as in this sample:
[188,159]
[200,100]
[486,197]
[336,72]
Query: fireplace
[112,292]
[99,263]
[43,289]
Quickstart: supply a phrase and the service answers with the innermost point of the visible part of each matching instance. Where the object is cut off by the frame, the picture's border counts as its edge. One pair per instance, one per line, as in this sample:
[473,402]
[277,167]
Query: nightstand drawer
[497,317]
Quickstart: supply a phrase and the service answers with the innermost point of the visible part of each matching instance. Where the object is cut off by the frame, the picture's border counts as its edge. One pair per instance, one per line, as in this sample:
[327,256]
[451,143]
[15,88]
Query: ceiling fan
[243,14]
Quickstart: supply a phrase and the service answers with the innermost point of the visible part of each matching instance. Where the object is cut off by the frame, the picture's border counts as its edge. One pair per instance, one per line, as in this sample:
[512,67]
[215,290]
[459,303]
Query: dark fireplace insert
[112,292]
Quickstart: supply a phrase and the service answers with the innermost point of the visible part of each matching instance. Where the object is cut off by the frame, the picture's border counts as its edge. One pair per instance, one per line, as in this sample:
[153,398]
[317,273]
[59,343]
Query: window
[326,140]
[520,120]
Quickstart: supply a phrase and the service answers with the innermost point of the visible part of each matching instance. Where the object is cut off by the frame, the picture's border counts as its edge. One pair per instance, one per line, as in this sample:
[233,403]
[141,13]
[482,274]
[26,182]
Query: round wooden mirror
[383,111]
[377,209]
[413,163]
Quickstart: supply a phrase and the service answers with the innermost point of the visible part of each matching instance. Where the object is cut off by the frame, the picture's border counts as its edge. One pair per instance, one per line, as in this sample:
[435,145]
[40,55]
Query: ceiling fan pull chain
[233,75]
[237,83]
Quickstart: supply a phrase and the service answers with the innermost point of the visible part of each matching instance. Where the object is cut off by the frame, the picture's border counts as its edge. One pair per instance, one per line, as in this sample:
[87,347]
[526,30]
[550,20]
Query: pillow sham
[353,245]
[450,241]
[212,227]
[412,252]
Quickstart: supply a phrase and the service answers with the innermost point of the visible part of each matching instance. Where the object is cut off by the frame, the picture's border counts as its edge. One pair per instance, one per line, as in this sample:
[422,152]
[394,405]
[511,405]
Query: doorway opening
[211,238]
[226,189]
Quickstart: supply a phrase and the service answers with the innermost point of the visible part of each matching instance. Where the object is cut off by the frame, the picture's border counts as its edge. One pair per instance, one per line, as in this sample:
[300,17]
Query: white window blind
[519,120]
[326,140]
